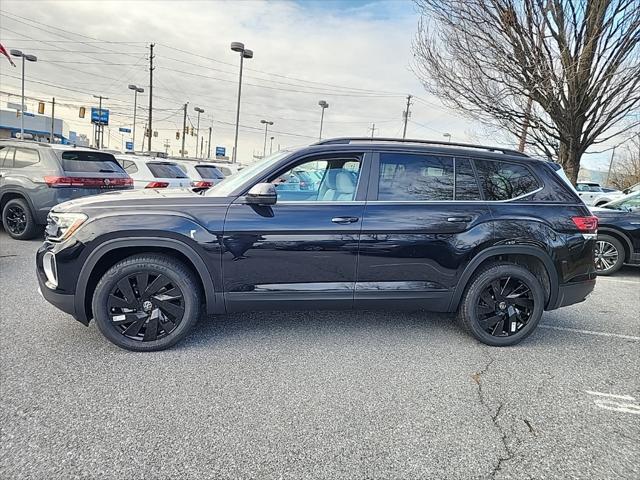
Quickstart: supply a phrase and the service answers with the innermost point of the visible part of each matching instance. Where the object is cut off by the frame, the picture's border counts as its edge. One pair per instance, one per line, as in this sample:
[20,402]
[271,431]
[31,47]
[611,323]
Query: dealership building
[38,126]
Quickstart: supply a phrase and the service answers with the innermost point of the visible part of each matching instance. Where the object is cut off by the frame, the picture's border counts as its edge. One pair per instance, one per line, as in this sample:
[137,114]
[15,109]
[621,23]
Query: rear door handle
[344,220]
[459,219]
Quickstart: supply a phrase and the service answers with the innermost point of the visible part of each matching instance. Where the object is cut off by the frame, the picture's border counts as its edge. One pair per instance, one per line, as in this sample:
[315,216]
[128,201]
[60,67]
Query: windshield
[629,203]
[229,184]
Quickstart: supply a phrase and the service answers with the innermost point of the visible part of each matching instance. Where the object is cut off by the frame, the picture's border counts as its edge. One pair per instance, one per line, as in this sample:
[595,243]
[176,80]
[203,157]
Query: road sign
[124,130]
[128,145]
[99,117]
[220,151]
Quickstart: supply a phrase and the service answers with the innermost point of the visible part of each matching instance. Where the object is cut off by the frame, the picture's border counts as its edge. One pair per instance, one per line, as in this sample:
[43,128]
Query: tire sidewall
[30,230]
[621,254]
[481,282]
[174,271]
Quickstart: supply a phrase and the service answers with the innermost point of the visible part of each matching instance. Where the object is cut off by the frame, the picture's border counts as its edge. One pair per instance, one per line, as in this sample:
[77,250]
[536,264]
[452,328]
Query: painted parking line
[616,403]
[590,332]
[617,280]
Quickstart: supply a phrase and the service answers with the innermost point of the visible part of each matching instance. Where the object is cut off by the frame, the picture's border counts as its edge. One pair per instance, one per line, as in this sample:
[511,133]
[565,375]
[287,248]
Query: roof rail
[348,140]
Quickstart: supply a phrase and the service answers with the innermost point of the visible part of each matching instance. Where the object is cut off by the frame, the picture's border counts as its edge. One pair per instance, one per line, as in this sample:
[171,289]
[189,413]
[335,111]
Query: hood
[607,212]
[165,198]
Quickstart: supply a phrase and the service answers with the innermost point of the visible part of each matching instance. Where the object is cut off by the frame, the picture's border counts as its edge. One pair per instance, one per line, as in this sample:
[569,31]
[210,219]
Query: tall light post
[199,110]
[136,91]
[323,104]
[447,135]
[271,146]
[244,53]
[29,58]
[266,127]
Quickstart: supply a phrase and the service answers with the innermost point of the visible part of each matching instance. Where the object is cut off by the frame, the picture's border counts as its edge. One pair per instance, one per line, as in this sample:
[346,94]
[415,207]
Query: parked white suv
[148,172]
[592,194]
[202,174]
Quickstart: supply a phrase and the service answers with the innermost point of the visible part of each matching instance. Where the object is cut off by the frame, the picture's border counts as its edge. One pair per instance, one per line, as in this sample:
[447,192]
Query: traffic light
[82,112]
[155,133]
[41,108]
[192,131]
[177,135]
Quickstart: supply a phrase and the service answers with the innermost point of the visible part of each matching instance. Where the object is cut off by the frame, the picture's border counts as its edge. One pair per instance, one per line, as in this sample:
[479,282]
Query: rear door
[422,223]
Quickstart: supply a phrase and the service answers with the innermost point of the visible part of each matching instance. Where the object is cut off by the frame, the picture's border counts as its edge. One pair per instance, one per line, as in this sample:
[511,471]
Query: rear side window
[90,162]
[504,180]
[166,170]
[6,157]
[407,177]
[466,184]
[25,157]
[209,172]
[226,171]
[129,166]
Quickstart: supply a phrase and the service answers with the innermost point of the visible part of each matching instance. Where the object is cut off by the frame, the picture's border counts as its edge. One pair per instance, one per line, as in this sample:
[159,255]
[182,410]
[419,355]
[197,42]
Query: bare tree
[625,170]
[566,70]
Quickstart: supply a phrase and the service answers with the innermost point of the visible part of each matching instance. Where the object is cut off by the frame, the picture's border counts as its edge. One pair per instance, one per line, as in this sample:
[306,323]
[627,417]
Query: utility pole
[151,57]
[209,144]
[53,109]
[184,128]
[166,146]
[406,115]
[373,129]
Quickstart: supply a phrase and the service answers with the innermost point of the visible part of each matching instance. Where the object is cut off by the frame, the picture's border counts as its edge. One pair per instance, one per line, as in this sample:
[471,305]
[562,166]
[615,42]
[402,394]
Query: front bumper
[575,292]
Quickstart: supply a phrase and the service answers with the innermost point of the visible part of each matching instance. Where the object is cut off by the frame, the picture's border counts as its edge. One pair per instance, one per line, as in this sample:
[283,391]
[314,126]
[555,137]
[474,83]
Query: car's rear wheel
[502,304]
[146,302]
[609,255]
[18,220]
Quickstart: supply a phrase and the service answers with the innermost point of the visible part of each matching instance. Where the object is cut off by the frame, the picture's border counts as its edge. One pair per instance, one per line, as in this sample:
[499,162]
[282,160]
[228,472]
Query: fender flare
[214,303]
[494,251]
[23,194]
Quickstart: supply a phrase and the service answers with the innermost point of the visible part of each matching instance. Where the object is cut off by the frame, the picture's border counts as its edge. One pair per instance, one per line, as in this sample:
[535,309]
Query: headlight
[61,226]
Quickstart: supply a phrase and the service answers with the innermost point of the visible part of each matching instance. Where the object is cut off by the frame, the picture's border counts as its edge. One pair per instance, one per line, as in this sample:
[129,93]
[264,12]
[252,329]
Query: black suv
[36,176]
[491,233]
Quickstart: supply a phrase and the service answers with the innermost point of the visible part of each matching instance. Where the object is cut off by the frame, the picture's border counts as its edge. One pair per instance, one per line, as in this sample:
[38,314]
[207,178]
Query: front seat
[329,186]
[345,186]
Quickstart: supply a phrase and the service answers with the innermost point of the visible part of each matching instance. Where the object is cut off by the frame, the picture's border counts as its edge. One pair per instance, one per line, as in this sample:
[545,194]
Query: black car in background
[618,234]
[36,176]
[490,233]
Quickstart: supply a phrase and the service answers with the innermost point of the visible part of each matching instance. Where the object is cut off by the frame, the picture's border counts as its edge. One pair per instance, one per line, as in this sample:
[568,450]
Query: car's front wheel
[502,304]
[609,255]
[146,302]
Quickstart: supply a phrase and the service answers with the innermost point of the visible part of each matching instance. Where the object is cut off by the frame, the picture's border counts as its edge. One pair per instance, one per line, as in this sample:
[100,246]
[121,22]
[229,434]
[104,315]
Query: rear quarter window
[166,170]
[90,162]
[505,180]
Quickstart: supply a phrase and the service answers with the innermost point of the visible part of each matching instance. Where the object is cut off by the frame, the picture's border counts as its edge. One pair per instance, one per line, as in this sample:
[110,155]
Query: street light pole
[136,90]
[266,127]
[323,104]
[447,135]
[30,58]
[244,53]
[271,146]
[199,110]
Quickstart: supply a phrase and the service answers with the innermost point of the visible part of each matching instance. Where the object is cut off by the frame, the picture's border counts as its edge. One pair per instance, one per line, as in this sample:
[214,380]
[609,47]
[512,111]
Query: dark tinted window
[504,180]
[415,177]
[466,185]
[211,172]
[166,170]
[25,157]
[94,162]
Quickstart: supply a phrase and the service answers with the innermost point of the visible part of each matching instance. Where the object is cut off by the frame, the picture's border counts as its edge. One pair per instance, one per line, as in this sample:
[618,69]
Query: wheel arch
[536,259]
[626,241]
[12,194]
[112,251]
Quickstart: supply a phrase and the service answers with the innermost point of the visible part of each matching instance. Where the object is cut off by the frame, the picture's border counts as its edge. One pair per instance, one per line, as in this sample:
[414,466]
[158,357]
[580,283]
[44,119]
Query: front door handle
[464,218]
[344,220]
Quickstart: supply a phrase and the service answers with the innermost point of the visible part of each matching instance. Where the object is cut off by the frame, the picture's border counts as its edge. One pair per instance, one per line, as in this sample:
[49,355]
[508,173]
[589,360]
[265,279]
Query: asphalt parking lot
[319,394]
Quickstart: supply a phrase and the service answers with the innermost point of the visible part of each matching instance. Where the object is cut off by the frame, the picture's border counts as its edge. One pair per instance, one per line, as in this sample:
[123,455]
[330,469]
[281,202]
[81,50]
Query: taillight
[586,224]
[87,182]
[157,185]
[201,184]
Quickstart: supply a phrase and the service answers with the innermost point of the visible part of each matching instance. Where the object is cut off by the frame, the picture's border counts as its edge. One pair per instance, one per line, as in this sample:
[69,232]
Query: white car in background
[228,169]
[202,174]
[593,195]
[149,172]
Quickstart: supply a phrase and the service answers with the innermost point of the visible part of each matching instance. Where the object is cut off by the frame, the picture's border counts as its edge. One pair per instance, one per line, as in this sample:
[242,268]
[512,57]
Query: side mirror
[262,194]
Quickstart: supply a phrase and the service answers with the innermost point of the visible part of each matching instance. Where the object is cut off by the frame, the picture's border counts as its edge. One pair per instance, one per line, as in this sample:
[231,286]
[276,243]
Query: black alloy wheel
[502,304]
[147,302]
[18,220]
[146,306]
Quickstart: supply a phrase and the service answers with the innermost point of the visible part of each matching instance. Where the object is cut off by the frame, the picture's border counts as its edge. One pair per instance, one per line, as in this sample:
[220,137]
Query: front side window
[320,180]
[504,180]
[6,157]
[25,157]
[408,177]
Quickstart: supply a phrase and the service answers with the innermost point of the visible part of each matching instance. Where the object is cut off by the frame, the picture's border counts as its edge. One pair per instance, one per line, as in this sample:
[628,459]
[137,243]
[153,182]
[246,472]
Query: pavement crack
[477,377]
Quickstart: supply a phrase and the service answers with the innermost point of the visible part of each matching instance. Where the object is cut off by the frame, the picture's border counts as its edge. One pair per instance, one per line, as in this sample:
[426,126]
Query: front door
[301,252]
[417,235]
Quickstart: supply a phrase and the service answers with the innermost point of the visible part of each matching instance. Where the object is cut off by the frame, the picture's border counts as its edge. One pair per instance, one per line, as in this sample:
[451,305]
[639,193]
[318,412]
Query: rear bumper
[575,292]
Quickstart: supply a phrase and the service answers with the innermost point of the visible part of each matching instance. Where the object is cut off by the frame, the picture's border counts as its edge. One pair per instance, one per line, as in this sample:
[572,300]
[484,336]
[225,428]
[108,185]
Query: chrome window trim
[311,202]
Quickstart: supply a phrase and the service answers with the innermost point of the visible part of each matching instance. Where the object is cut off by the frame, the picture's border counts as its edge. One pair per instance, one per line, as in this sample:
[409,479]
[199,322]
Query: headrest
[344,182]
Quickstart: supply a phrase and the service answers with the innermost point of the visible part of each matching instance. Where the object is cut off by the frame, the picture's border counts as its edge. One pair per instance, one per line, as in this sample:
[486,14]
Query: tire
[609,255]
[18,221]
[144,294]
[507,317]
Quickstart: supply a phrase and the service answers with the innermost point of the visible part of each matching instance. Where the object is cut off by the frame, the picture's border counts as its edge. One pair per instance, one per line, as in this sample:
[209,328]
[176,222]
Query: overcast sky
[355,54]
